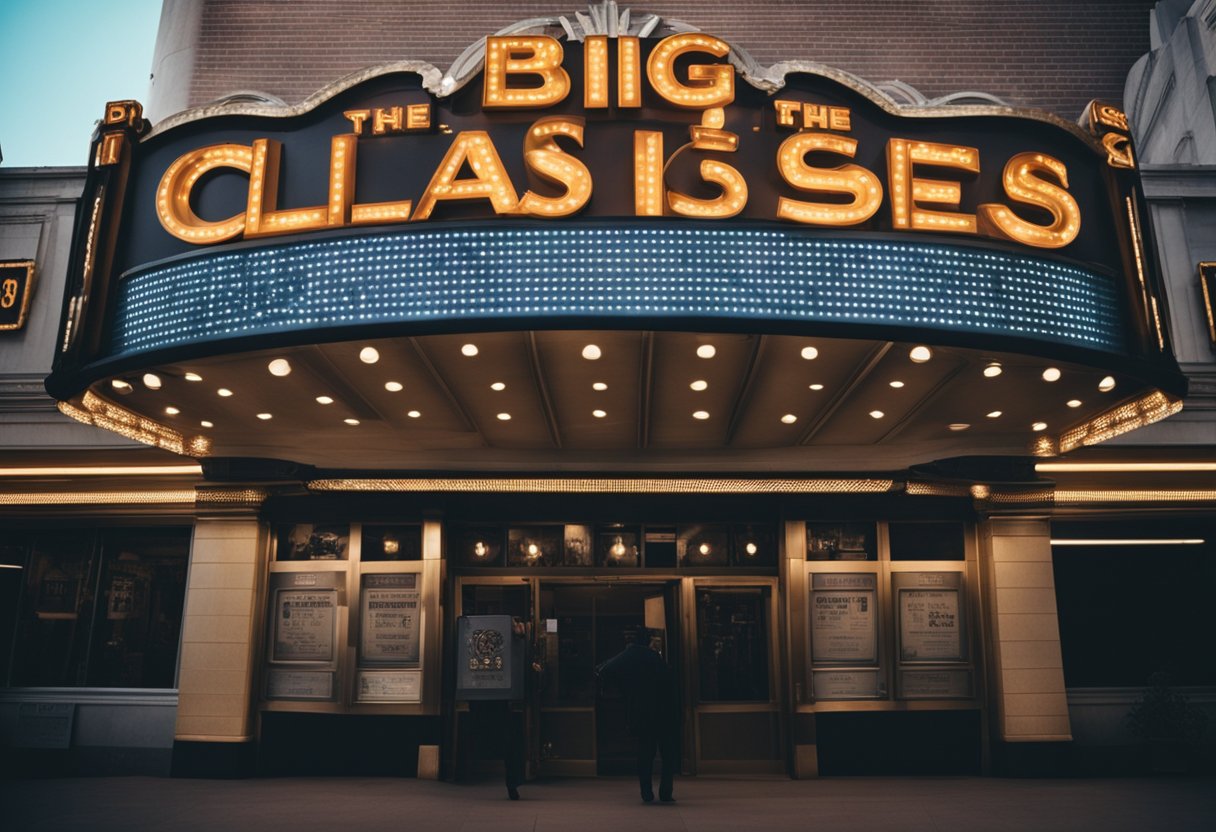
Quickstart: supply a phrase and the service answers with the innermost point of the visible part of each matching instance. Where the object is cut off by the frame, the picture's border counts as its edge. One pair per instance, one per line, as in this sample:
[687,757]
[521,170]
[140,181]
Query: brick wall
[1053,55]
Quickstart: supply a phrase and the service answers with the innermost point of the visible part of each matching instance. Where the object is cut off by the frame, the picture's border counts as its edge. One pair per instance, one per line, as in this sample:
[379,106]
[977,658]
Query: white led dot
[223,391]
[1074,402]
[1039,426]
[706,351]
[920,354]
[1052,374]
[816,386]
[504,417]
[172,411]
[897,384]
[152,381]
[994,414]
[265,416]
[600,386]
[207,424]
[498,386]
[700,414]
[699,385]
[469,349]
[394,386]
[789,418]
[810,353]
[958,426]
[351,421]
[591,352]
[599,414]
[324,400]
[1107,384]
[193,377]
[369,355]
[876,414]
[992,370]
[279,367]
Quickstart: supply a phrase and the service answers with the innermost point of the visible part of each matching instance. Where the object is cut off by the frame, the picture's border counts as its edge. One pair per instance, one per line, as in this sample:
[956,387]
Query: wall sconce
[480,549]
[391,545]
[531,551]
[704,549]
[751,548]
[618,548]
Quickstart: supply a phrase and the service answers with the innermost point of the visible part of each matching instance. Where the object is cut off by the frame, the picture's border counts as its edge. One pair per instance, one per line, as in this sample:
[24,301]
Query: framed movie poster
[304,625]
[844,618]
[390,619]
[929,608]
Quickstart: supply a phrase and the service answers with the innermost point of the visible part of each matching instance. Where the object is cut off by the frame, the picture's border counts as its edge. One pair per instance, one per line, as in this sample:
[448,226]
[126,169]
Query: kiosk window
[732,635]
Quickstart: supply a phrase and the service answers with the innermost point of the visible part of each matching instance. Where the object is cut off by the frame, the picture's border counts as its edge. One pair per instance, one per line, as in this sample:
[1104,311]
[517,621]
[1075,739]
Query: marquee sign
[620,180]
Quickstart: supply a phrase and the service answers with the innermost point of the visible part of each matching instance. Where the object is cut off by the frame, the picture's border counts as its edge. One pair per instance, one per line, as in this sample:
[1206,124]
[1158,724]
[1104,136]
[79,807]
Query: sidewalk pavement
[704,804]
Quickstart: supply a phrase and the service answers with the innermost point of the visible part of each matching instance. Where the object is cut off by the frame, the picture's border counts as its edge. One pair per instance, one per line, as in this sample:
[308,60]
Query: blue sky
[60,62]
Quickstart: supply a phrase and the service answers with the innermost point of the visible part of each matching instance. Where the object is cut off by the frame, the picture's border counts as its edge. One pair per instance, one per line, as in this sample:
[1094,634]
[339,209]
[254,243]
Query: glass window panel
[755,545]
[704,544]
[535,546]
[52,635]
[732,637]
[926,541]
[392,543]
[840,541]
[577,548]
[308,541]
[14,561]
[617,546]
[478,545]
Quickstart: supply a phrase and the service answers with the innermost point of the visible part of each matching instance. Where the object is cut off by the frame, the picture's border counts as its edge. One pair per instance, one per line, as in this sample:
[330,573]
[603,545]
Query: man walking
[651,710]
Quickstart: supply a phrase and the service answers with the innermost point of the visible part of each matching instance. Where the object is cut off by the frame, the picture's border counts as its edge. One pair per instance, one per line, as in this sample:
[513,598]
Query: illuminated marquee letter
[907,191]
[648,173]
[1024,183]
[536,55]
[173,193]
[716,87]
[595,63]
[727,204]
[490,177]
[850,179]
[262,217]
[543,155]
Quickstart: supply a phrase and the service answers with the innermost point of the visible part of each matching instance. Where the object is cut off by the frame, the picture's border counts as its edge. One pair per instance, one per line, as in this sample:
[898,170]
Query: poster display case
[932,635]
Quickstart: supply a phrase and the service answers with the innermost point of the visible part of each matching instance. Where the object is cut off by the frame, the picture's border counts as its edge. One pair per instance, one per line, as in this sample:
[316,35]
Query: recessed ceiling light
[706,351]
[172,411]
[224,391]
[265,416]
[699,385]
[394,386]
[810,353]
[1039,426]
[958,426]
[324,400]
[1107,384]
[897,384]
[993,370]
[121,386]
[152,381]
[498,387]
[789,418]
[994,414]
[351,421]
[600,386]
[504,417]
[207,424]
[414,414]
[599,414]
[591,352]
[193,377]
[876,414]
[816,386]
[920,354]
[369,355]
[469,349]
[1052,374]
[1074,402]
[700,414]
[279,367]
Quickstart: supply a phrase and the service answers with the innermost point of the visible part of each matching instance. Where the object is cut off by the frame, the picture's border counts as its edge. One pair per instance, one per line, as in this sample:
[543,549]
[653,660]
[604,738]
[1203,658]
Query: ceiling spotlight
[600,386]
[152,381]
[920,354]
[706,351]
[351,421]
[223,391]
[279,367]
[700,414]
[504,417]
[172,411]
[265,416]
[994,414]
[498,387]
[876,414]
[324,400]
[789,418]
[699,385]
[207,424]
[1052,374]
[394,386]
[993,370]
[591,352]
[1074,402]
[121,386]
[897,384]
[369,355]
[414,414]
[1107,384]
[193,377]
[1039,426]
[599,414]
[469,349]
[816,387]
[958,426]
[810,353]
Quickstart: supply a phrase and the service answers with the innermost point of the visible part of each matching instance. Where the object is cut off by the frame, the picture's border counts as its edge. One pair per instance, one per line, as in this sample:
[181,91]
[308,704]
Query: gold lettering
[543,155]
[647,173]
[813,115]
[357,117]
[1024,183]
[907,191]
[727,204]
[9,297]
[854,180]
[716,82]
[262,217]
[595,59]
[173,193]
[490,180]
[418,117]
[629,72]
[536,55]
[785,112]
[384,121]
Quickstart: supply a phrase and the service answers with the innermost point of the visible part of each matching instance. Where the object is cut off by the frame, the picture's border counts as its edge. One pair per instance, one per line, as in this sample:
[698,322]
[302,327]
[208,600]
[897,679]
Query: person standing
[651,710]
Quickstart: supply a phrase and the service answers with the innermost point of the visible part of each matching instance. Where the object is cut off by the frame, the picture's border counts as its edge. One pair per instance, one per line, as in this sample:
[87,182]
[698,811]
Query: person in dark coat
[651,710]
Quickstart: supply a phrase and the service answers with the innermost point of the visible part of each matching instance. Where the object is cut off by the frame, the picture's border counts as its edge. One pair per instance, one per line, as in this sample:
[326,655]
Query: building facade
[664,317]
